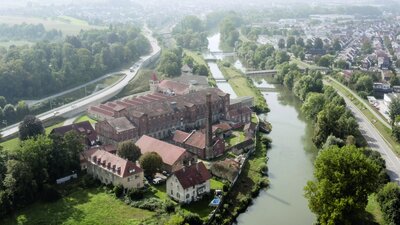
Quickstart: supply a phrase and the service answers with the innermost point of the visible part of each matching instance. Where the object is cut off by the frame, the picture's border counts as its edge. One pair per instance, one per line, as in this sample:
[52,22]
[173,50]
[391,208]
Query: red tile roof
[112,163]
[180,136]
[169,153]
[192,175]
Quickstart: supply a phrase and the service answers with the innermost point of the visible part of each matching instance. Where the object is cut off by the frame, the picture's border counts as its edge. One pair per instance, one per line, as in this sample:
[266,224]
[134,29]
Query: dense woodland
[46,68]
[29,172]
[190,33]
[28,32]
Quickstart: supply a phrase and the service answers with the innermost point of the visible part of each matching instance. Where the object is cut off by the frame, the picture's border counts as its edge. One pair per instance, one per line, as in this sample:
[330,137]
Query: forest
[49,67]
[28,32]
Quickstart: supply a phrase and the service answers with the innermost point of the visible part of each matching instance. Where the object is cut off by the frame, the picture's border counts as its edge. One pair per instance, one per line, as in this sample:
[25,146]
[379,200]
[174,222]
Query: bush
[226,64]
[169,206]
[118,190]
[192,219]
[135,194]
[264,183]
[88,181]
[50,194]
[150,204]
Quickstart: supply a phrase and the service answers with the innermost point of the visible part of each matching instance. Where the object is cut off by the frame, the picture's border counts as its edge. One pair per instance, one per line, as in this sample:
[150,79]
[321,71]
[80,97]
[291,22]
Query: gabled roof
[112,163]
[169,153]
[192,175]
[84,128]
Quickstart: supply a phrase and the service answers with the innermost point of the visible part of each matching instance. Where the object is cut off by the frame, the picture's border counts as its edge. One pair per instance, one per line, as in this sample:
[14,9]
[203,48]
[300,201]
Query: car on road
[131,69]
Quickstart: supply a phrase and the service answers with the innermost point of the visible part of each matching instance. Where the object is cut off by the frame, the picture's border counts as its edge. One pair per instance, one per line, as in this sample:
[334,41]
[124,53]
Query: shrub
[169,206]
[226,64]
[192,219]
[50,194]
[88,181]
[264,183]
[150,204]
[118,190]
[135,194]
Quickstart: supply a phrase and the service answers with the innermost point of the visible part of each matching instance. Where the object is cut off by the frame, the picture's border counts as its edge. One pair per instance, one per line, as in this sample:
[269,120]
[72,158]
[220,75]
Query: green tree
[3,101]
[366,47]
[30,127]
[128,150]
[150,162]
[325,61]
[313,104]
[300,42]
[389,200]
[365,83]
[281,43]
[336,45]
[202,70]
[9,113]
[21,109]
[318,43]
[331,141]
[394,109]
[344,179]
[290,41]
[307,84]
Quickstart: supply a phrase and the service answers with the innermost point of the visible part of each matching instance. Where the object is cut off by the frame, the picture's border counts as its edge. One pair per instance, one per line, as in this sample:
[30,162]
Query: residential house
[111,169]
[83,128]
[189,183]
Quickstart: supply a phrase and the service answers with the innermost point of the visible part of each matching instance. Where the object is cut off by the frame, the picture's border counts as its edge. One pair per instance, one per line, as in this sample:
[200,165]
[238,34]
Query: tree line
[228,29]
[172,61]
[46,68]
[190,33]
[10,113]
[28,172]
[29,32]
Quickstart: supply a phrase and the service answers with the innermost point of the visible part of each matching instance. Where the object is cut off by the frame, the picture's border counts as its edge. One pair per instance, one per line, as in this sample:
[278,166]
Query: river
[290,161]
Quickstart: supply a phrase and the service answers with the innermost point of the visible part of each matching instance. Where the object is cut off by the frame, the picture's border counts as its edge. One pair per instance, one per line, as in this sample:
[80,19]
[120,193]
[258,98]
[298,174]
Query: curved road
[98,97]
[375,141]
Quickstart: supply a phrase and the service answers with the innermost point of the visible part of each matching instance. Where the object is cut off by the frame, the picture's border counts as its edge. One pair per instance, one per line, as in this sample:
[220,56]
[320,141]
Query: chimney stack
[208,126]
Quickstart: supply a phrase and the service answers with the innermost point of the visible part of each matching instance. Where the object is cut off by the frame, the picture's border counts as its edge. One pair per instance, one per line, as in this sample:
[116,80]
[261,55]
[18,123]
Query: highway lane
[376,141]
[98,97]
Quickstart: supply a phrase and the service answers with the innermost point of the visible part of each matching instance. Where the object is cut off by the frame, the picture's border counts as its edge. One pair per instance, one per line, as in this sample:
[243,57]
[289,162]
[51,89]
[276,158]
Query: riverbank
[248,185]
[243,86]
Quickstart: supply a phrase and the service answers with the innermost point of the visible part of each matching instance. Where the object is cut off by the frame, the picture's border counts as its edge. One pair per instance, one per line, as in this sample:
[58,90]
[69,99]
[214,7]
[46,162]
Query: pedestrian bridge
[262,73]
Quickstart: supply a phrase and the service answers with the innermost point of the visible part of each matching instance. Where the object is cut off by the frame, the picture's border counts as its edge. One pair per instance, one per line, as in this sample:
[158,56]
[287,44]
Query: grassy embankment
[242,85]
[83,206]
[198,58]
[383,130]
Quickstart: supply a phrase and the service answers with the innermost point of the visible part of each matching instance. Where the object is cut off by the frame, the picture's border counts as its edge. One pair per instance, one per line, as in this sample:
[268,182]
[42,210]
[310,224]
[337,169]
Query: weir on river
[291,157]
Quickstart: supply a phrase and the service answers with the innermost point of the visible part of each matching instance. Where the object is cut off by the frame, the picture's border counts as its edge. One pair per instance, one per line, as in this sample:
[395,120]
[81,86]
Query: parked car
[158,180]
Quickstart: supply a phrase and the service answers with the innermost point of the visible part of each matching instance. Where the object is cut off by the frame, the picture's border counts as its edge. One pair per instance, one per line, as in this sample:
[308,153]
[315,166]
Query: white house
[111,169]
[189,183]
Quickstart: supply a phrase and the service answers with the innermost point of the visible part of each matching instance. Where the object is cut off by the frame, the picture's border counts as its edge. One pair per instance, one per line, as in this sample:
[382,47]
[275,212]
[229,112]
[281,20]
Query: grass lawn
[216,184]
[85,117]
[236,138]
[197,57]
[200,207]
[68,25]
[158,191]
[12,144]
[138,84]
[383,130]
[374,209]
[84,206]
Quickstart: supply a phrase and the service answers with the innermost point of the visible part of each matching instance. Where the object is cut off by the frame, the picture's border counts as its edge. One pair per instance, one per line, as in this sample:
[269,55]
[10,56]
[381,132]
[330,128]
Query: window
[187,195]
[129,179]
[137,176]
[178,195]
[172,192]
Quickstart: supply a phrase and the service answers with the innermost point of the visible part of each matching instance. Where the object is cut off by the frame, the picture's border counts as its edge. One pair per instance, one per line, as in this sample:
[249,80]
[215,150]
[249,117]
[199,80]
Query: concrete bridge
[262,73]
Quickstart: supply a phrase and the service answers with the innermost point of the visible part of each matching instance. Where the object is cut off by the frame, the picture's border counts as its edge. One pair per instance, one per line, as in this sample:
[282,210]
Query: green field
[216,184]
[85,117]
[236,138]
[138,84]
[84,206]
[68,25]
[197,57]
[13,143]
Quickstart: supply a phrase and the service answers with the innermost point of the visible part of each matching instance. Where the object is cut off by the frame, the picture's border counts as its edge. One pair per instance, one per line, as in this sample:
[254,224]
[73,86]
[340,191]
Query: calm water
[290,158]
[290,165]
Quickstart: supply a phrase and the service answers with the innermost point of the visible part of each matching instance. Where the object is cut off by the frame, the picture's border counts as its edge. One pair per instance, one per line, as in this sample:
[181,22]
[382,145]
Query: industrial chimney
[208,126]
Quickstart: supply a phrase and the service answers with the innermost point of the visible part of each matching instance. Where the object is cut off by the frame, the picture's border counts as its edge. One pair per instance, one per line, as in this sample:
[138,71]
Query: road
[376,141]
[379,117]
[95,98]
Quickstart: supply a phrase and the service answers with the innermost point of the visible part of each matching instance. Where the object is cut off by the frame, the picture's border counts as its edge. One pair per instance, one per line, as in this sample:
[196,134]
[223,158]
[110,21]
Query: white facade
[194,193]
